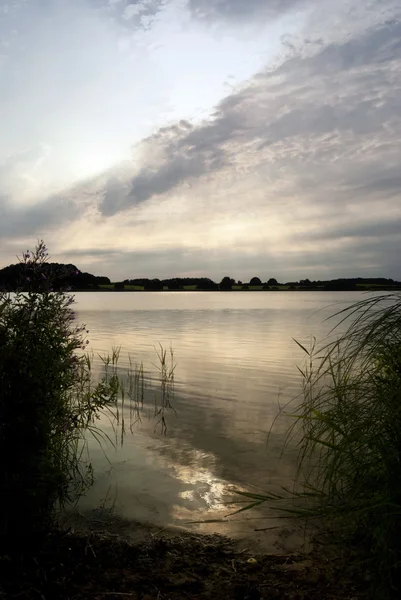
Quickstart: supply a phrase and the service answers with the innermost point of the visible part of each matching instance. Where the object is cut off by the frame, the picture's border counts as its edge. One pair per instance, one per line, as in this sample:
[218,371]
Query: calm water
[236,362]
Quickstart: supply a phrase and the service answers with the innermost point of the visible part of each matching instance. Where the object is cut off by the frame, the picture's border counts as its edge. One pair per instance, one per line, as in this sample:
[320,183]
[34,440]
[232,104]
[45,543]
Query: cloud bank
[293,173]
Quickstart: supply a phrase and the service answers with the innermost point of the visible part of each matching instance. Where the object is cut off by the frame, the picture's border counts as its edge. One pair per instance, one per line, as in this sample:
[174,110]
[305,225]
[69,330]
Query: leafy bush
[47,402]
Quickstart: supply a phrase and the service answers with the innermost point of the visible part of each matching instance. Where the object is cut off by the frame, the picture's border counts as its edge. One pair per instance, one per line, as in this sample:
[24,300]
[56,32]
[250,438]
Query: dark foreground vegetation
[347,421]
[103,566]
[64,276]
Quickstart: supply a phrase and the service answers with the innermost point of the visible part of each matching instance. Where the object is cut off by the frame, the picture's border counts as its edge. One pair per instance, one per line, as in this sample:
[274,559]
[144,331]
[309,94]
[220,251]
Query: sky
[161,138]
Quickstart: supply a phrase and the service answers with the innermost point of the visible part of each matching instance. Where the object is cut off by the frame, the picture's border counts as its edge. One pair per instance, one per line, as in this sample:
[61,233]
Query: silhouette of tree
[154,285]
[227,283]
[272,281]
[173,284]
[255,281]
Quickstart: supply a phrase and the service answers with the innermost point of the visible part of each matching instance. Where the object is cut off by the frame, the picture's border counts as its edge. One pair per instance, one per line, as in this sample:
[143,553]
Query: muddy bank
[99,561]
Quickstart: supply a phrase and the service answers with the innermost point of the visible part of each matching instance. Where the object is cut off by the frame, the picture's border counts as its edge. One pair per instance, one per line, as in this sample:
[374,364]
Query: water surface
[236,364]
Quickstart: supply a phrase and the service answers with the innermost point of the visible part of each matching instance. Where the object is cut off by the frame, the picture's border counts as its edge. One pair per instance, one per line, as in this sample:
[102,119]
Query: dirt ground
[93,562]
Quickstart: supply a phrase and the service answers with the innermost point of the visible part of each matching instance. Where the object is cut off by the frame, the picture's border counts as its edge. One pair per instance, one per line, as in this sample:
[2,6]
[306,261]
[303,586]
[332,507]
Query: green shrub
[47,402]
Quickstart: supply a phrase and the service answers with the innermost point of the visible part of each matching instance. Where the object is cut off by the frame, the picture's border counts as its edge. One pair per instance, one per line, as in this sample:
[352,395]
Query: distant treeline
[228,283]
[345,284]
[176,283]
[64,276]
[354,280]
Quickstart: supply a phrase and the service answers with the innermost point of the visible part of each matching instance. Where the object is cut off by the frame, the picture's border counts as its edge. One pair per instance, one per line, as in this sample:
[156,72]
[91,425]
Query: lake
[236,364]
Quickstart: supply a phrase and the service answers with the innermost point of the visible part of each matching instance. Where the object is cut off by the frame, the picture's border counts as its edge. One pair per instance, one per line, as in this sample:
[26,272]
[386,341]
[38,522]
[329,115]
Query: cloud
[181,158]
[159,262]
[140,14]
[326,120]
[239,9]
[314,142]
[377,230]
[181,168]
[115,195]
[371,259]
[38,219]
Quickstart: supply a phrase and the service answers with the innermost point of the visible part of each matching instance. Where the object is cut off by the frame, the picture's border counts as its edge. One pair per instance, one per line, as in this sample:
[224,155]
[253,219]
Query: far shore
[234,289]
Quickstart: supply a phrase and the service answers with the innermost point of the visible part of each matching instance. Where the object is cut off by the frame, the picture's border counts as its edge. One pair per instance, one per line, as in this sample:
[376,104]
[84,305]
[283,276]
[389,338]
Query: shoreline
[95,560]
[362,290]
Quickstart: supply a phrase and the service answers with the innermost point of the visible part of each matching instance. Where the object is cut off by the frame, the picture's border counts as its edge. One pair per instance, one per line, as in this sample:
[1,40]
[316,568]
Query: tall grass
[348,426]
